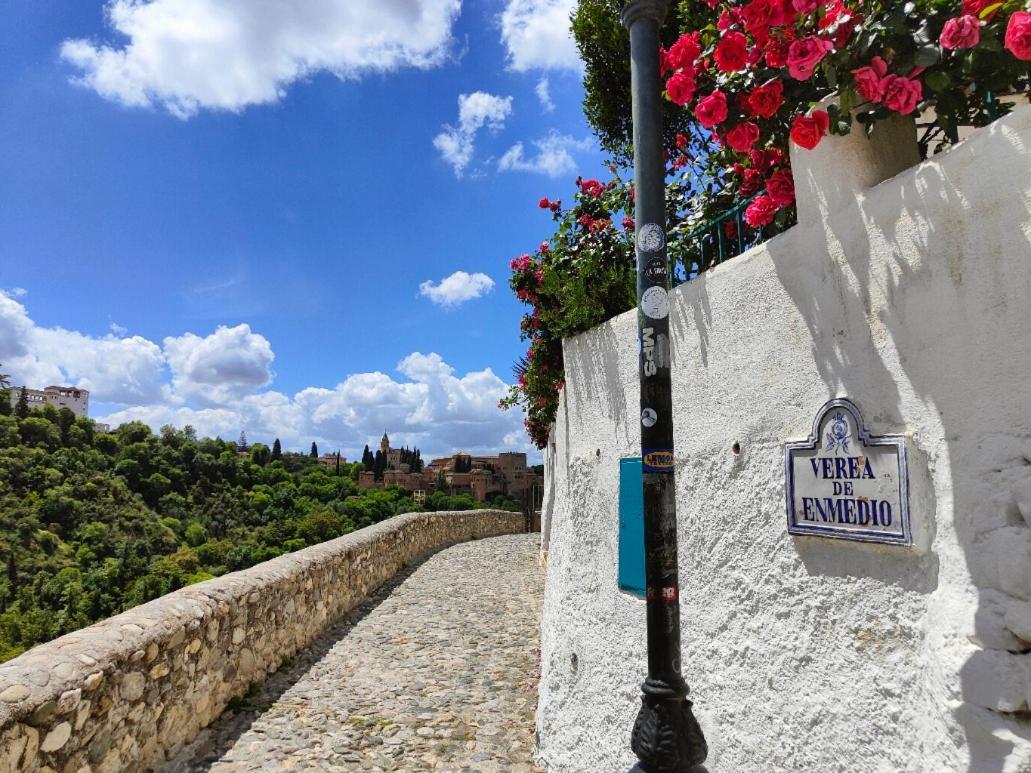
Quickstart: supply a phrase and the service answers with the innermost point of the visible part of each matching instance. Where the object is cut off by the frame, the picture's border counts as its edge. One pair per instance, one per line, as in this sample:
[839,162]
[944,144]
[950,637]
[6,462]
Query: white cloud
[119,370]
[554,156]
[117,329]
[457,143]
[537,35]
[186,55]
[456,289]
[543,90]
[224,366]
[219,383]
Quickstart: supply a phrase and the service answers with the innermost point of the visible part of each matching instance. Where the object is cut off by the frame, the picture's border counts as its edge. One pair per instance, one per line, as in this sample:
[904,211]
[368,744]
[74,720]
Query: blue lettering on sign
[846,483]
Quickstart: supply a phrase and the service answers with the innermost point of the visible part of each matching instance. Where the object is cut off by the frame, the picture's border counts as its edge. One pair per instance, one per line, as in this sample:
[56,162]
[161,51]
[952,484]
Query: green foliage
[92,524]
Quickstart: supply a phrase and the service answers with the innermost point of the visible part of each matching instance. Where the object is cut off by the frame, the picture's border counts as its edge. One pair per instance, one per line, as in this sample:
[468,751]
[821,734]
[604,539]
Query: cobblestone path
[438,671]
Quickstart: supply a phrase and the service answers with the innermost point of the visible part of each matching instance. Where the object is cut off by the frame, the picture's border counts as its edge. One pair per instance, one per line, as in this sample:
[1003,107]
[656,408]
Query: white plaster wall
[809,654]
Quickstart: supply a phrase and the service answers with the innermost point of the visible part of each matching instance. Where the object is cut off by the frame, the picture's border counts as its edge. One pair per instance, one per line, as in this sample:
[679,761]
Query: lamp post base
[666,737]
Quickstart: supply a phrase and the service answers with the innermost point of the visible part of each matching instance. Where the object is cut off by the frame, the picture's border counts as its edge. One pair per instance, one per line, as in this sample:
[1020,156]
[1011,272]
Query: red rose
[870,81]
[751,182]
[544,203]
[628,223]
[1018,35]
[742,137]
[805,54]
[808,130]
[765,160]
[712,110]
[683,53]
[782,13]
[592,188]
[963,32]
[680,88]
[757,15]
[781,187]
[555,206]
[681,141]
[766,100]
[760,212]
[974,8]
[805,6]
[902,94]
[777,52]
[732,52]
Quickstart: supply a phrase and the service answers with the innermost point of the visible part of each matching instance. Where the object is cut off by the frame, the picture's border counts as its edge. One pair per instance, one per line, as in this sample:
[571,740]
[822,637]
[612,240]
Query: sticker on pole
[657,460]
[650,238]
[655,303]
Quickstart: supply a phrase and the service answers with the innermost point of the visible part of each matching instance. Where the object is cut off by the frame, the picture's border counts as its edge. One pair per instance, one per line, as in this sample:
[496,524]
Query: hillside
[92,524]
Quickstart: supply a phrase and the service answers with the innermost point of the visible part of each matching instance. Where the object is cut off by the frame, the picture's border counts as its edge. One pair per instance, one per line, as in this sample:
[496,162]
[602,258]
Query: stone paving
[437,671]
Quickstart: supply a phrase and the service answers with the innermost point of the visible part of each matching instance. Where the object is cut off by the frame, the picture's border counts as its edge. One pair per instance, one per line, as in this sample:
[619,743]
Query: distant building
[74,399]
[329,461]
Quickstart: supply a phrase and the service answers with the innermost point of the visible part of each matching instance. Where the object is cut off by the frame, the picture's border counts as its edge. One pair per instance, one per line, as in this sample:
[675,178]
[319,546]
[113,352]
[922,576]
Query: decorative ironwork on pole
[666,736]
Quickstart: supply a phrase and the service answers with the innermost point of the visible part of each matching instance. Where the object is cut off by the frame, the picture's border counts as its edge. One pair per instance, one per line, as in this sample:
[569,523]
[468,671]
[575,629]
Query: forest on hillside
[94,523]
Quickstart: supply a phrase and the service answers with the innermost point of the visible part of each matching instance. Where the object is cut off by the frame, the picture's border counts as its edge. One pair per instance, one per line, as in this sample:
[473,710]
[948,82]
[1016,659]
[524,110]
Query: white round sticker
[649,417]
[654,303]
[650,238]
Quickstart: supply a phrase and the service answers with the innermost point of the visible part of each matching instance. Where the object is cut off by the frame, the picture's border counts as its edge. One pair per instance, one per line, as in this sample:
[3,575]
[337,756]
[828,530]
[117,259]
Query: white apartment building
[73,398]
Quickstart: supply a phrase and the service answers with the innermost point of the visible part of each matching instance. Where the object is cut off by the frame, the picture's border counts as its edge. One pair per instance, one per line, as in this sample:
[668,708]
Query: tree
[277,451]
[5,379]
[21,409]
[242,442]
[314,454]
[5,402]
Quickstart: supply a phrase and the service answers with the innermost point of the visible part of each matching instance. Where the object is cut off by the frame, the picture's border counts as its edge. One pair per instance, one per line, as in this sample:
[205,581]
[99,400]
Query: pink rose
[742,137]
[808,130]
[712,110]
[1018,35]
[680,88]
[902,94]
[732,52]
[781,187]
[870,81]
[805,6]
[805,54]
[963,32]
[760,212]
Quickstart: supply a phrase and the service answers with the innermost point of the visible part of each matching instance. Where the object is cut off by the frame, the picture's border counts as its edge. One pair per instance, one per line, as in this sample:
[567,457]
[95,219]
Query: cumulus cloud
[220,384]
[221,367]
[543,90]
[537,35]
[457,143]
[185,55]
[554,156]
[456,289]
[114,369]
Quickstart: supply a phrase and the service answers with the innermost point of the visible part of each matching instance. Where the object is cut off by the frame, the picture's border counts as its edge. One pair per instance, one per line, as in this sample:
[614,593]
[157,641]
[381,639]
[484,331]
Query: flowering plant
[750,74]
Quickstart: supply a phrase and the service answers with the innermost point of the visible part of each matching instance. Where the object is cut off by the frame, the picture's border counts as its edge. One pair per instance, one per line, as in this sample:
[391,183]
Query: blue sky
[215,215]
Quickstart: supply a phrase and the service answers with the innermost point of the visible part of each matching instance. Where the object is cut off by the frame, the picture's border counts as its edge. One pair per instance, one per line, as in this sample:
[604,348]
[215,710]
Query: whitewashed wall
[913,298]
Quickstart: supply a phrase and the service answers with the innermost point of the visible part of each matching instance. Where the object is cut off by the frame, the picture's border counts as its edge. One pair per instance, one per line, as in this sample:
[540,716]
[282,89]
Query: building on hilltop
[479,476]
[74,399]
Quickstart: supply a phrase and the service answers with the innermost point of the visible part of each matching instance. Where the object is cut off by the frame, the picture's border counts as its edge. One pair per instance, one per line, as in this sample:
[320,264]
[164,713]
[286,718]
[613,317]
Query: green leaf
[927,55]
[938,81]
[988,11]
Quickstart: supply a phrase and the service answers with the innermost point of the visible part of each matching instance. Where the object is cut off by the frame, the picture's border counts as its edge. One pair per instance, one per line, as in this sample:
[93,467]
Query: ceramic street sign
[845,483]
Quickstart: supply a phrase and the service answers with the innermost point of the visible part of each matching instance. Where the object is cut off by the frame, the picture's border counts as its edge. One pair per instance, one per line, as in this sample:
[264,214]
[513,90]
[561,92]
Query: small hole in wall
[574,663]
[736,448]
[597,452]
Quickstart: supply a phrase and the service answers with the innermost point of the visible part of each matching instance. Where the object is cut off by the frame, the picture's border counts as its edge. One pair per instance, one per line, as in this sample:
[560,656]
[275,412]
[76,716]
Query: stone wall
[128,692]
[911,297]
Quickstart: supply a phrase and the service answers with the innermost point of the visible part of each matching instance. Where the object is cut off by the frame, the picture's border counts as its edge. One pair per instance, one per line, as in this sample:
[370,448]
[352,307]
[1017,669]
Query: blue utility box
[631,527]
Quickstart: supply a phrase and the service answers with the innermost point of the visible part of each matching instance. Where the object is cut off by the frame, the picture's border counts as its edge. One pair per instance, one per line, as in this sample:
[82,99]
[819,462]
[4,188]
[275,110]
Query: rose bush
[747,77]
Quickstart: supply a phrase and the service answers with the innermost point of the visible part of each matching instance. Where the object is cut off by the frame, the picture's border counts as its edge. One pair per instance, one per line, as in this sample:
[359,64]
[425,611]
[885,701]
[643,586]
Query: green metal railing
[716,241]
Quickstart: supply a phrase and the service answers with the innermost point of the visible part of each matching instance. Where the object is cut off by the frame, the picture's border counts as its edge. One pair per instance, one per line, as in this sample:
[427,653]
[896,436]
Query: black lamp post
[666,736]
